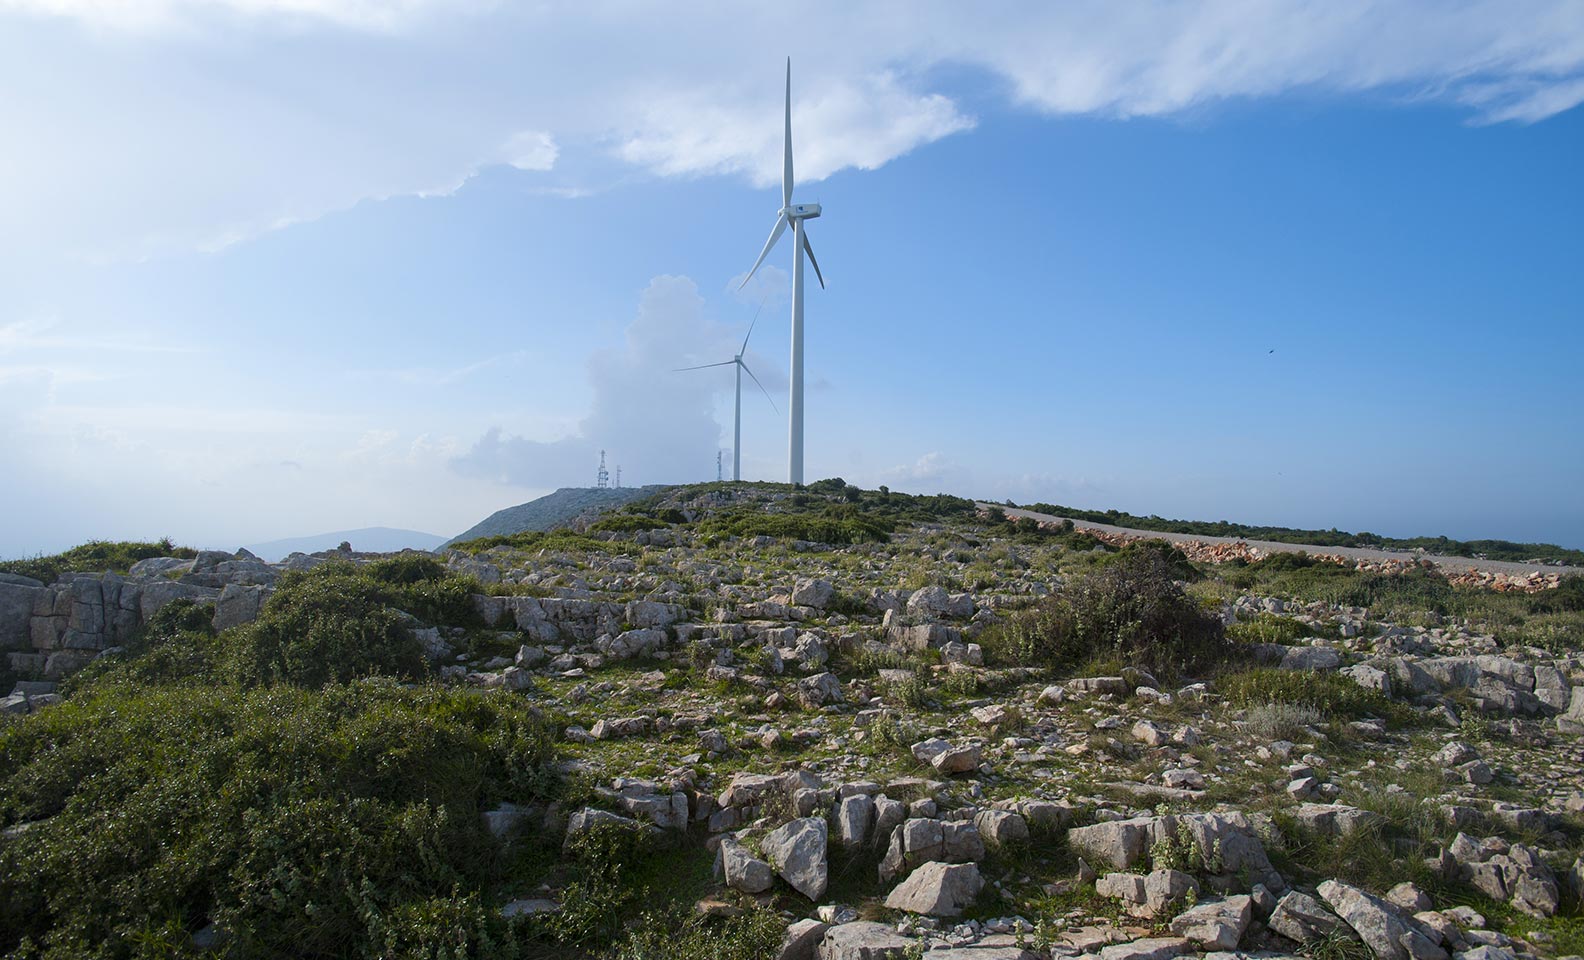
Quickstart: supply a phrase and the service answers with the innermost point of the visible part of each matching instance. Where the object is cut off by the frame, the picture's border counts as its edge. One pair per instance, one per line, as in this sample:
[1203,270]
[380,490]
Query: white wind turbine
[742,368]
[794,214]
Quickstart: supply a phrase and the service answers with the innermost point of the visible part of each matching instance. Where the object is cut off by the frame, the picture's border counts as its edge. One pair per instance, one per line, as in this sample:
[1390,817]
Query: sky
[276,267]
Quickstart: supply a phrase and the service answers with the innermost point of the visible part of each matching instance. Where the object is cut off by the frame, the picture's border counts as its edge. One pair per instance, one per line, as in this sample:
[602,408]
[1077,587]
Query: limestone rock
[863,940]
[814,593]
[1378,924]
[1154,948]
[801,940]
[937,889]
[1217,925]
[853,819]
[797,850]
[743,871]
[1302,918]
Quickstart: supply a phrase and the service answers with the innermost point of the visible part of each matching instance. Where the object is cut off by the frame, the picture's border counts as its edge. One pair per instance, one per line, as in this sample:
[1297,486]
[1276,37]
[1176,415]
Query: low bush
[328,624]
[339,621]
[533,540]
[1129,609]
[1332,695]
[1568,597]
[843,524]
[1282,721]
[95,556]
[311,823]
[682,932]
[626,523]
[1267,628]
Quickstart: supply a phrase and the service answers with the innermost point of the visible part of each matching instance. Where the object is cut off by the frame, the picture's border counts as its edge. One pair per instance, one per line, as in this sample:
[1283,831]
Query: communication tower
[604,475]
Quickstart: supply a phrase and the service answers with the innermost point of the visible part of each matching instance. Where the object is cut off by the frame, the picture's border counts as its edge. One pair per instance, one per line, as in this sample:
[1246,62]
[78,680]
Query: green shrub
[842,524]
[176,645]
[333,823]
[1568,597]
[95,556]
[406,568]
[1267,628]
[595,905]
[681,932]
[1129,609]
[626,523]
[533,540]
[325,625]
[1334,696]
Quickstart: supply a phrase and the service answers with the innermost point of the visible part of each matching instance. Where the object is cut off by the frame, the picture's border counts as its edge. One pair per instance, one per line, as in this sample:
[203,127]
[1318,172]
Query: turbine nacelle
[801,211]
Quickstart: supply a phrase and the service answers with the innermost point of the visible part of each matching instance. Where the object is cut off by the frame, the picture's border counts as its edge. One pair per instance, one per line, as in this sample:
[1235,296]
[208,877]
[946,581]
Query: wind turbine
[742,367]
[794,214]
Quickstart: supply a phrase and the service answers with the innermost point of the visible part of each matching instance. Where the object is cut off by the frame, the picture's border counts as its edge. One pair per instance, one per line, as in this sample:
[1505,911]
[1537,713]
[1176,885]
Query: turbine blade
[775,234]
[786,173]
[808,248]
[704,366]
[759,385]
[762,302]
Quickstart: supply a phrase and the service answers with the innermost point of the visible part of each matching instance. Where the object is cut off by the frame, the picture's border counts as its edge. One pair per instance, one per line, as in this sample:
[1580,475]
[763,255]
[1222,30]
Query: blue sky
[271,267]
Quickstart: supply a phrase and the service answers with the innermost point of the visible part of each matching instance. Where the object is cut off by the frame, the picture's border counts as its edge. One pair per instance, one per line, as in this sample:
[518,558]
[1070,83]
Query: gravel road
[1457,564]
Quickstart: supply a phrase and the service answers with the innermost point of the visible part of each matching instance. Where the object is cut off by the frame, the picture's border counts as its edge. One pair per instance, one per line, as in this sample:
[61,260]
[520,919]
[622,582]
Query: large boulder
[801,940]
[1379,924]
[820,690]
[237,605]
[947,757]
[853,819]
[814,593]
[937,889]
[1118,843]
[797,850]
[1301,918]
[1223,843]
[1217,925]
[1310,658]
[742,870]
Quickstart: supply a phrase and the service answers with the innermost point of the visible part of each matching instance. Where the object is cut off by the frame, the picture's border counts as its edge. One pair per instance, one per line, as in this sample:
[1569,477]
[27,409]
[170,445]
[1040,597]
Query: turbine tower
[737,420]
[793,214]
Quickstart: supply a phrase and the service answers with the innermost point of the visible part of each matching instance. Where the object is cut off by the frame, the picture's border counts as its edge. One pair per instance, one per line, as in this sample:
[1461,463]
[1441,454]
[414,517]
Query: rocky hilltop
[553,510]
[836,724]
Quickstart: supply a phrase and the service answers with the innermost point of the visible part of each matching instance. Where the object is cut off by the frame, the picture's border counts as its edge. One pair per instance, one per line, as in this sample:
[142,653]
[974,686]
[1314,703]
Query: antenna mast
[604,475]
[717,466]
[618,476]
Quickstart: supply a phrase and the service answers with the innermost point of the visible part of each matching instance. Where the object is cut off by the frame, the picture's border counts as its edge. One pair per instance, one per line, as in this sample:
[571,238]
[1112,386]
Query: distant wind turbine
[794,214]
[742,368]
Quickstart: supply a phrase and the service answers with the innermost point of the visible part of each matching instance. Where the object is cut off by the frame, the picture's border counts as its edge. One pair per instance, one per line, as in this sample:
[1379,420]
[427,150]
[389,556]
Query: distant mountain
[553,510]
[367,540]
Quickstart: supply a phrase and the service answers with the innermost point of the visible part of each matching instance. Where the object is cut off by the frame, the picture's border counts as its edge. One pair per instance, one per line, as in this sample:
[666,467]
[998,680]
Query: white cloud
[147,15]
[531,150]
[162,125]
[657,422]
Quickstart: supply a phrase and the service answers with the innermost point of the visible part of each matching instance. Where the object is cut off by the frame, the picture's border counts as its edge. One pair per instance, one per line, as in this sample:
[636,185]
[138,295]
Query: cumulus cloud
[316,105]
[658,423]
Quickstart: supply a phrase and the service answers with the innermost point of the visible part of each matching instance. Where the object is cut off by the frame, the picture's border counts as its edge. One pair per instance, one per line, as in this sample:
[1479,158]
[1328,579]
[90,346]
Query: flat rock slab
[1153,948]
[863,940]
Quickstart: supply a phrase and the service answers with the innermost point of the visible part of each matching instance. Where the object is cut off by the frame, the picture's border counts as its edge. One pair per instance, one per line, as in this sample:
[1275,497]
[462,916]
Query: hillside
[742,721]
[552,510]
[366,540]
